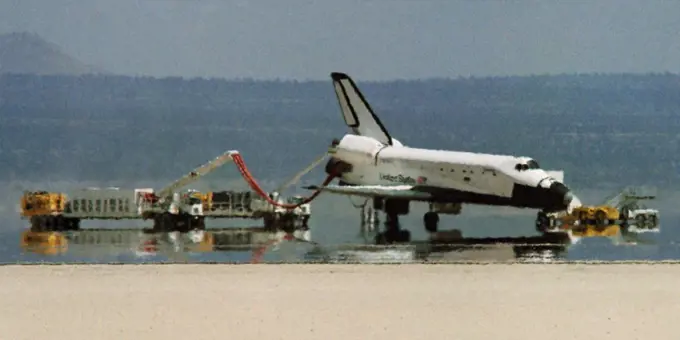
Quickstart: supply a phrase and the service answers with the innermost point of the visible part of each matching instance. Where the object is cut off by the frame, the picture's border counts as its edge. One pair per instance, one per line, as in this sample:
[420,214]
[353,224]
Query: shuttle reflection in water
[507,249]
[448,246]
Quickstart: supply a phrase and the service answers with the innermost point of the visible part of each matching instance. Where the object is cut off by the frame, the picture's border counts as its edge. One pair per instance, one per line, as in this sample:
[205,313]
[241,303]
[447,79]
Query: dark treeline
[601,129]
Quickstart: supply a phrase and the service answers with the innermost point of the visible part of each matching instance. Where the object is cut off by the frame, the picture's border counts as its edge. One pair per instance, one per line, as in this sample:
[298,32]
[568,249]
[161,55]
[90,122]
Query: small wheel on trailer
[37,224]
[75,224]
[624,228]
[183,223]
[655,220]
[601,218]
[60,223]
[49,224]
[623,220]
[156,224]
[166,223]
[270,222]
[651,222]
[199,223]
[287,223]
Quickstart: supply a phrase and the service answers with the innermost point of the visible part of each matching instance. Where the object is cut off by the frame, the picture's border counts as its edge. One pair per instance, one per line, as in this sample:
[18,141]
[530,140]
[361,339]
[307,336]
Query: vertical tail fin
[357,113]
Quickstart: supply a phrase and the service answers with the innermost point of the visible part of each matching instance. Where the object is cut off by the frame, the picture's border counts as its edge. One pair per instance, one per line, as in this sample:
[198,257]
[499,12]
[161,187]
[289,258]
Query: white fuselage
[371,157]
[377,164]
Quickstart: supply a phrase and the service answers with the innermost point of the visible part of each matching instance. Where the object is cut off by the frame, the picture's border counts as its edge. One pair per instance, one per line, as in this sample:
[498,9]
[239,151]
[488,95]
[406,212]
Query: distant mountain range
[28,53]
[604,131]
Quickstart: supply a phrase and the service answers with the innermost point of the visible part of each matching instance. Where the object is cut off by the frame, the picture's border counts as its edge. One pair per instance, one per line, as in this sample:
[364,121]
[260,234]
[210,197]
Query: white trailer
[241,204]
[104,203]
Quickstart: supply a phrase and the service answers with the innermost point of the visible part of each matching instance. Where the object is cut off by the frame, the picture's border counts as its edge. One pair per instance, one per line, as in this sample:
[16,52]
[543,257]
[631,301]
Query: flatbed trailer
[168,208]
[128,204]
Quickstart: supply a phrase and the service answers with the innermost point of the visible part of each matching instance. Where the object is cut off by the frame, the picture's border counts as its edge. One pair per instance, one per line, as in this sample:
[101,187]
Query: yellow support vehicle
[601,215]
[594,218]
[41,203]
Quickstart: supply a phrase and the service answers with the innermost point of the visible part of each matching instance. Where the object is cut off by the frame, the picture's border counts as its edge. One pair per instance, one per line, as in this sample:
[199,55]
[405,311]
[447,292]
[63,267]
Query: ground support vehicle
[623,211]
[169,208]
[187,211]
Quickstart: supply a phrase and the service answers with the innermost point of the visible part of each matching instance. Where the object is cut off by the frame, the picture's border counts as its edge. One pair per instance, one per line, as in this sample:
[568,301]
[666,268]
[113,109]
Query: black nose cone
[560,195]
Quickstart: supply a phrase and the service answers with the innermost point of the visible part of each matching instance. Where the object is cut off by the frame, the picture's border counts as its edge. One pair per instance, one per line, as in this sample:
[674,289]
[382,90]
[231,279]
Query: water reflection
[254,244]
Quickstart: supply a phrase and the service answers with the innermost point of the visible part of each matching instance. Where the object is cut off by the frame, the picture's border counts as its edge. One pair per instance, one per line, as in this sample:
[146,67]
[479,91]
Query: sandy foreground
[528,301]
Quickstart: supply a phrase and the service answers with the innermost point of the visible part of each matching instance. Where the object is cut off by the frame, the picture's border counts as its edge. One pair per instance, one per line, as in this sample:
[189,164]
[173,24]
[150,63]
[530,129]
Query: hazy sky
[369,39]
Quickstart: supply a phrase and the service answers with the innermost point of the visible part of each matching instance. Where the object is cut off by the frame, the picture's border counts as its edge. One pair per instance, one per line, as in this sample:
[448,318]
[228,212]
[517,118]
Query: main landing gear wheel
[164,223]
[652,222]
[393,232]
[601,220]
[431,221]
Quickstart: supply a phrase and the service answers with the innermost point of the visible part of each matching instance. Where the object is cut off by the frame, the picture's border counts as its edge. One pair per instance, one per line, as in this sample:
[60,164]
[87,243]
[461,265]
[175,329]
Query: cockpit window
[531,164]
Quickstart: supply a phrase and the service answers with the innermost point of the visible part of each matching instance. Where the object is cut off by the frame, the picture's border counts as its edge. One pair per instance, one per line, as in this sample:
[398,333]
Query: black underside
[522,197]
